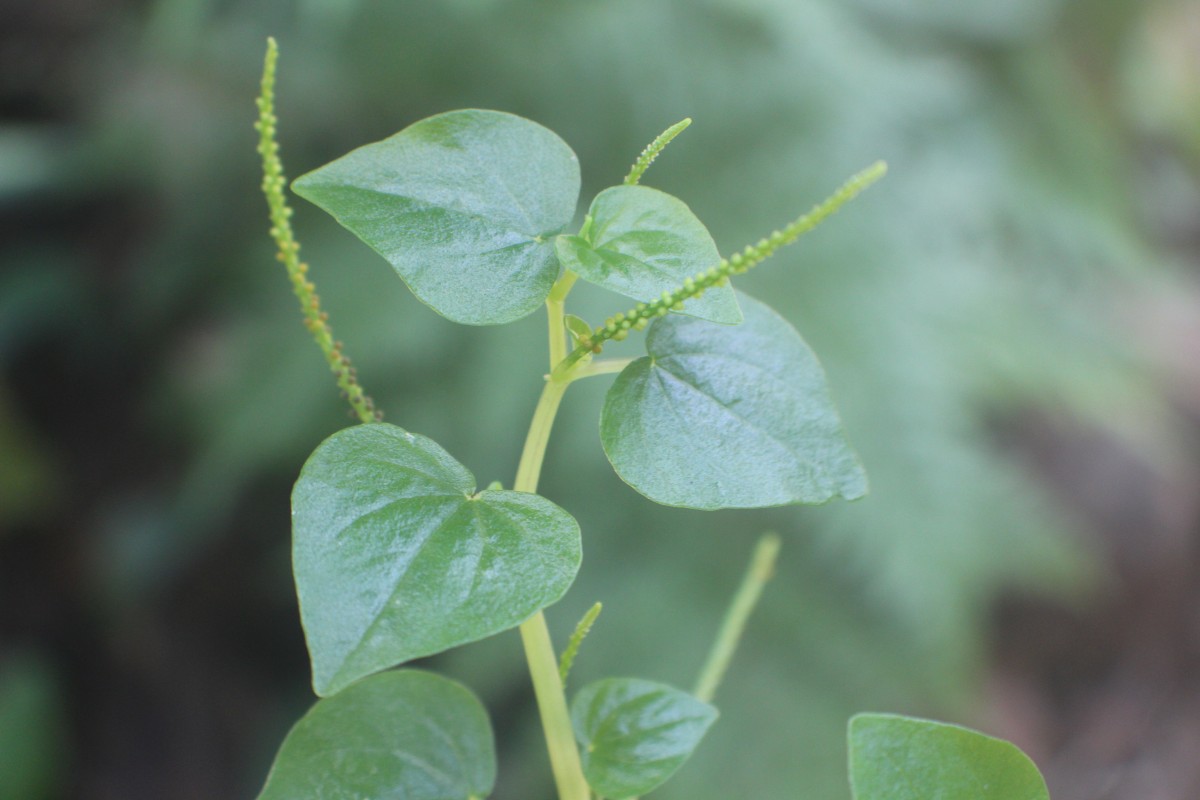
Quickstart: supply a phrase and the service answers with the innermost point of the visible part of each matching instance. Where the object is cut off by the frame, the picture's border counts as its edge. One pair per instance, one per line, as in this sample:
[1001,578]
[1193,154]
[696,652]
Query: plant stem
[539,650]
[530,467]
[762,566]
[554,316]
[602,367]
[552,704]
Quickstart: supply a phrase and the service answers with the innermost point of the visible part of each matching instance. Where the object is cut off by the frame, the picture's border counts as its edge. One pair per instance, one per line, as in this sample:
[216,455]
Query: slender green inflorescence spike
[273,186]
[581,631]
[618,326]
[652,150]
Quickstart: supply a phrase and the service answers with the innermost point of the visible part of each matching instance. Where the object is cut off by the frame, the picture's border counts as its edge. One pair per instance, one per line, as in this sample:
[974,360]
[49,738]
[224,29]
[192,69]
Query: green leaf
[396,557]
[404,735]
[728,417]
[643,242]
[577,327]
[34,740]
[464,205]
[901,758]
[634,734]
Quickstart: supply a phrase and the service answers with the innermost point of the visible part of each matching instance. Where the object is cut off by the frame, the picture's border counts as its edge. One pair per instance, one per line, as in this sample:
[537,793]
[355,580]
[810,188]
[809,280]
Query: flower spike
[273,185]
[653,149]
[617,327]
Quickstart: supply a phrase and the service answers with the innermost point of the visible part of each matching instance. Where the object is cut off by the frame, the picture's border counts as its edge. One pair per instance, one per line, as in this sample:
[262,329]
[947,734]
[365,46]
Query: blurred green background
[1010,323]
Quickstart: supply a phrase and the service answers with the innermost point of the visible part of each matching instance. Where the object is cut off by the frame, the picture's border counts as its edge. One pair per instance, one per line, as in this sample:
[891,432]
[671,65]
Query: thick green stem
[552,704]
[539,650]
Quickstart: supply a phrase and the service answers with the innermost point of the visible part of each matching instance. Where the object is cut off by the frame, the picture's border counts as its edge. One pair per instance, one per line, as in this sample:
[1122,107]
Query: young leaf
[464,205]
[901,758]
[644,242]
[577,327]
[634,733]
[728,417]
[396,557]
[408,734]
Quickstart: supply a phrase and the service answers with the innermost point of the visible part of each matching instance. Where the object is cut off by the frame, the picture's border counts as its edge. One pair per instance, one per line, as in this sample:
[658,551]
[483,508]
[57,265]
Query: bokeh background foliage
[157,394]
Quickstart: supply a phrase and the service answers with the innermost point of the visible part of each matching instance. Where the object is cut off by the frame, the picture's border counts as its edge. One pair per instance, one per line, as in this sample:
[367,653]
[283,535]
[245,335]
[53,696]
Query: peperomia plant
[398,554]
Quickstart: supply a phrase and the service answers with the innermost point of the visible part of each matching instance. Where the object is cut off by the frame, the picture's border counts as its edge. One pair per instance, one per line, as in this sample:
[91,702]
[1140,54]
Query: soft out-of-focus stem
[273,186]
[762,567]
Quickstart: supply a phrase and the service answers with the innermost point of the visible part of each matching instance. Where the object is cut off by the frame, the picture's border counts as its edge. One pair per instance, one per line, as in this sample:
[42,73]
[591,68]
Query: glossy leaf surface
[404,735]
[728,417]
[396,557]
[464,205]
[643,242]
[634,734]
[901,758]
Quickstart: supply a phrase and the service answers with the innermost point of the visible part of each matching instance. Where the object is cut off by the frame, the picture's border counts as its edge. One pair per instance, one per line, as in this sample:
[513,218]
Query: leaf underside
[728,417]
[404,735]
[464,205]
[396,557]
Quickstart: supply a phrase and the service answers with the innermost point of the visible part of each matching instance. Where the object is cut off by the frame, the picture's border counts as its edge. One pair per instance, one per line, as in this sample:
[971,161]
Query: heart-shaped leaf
[396,557]
[901,758]
[464,205]
[643,242]
[728,417]
[404,735]
[634,734]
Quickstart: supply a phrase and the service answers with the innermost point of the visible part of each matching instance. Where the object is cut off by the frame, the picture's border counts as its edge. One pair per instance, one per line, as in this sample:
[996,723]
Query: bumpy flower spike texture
[273,185]
[618,326]
[653,149]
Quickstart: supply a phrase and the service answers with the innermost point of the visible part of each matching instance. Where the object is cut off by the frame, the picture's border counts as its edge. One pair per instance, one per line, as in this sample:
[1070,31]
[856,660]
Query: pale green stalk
[535,635]
[554,315]
[762,566]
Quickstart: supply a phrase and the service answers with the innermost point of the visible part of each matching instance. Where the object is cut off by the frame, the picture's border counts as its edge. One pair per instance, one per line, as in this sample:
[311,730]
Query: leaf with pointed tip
[464,205]
[728,417]
[901,758]
[634,734]
[643,242]
[404,735]
[396,557]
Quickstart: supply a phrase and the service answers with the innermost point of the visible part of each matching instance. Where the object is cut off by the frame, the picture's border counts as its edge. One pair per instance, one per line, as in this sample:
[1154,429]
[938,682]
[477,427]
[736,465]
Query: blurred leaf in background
[164,381]
[32,728]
